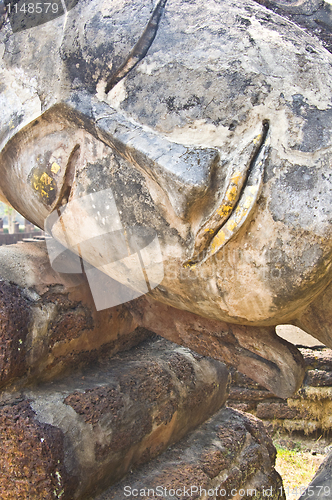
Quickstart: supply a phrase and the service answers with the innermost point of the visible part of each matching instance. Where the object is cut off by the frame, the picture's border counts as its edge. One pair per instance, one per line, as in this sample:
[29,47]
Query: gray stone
[211,127]
[321,485]
[207,127]
[247,67]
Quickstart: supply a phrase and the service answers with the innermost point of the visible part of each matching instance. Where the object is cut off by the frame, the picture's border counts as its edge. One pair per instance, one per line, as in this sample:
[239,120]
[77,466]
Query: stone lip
[99,424]
[257,352]
[231,451]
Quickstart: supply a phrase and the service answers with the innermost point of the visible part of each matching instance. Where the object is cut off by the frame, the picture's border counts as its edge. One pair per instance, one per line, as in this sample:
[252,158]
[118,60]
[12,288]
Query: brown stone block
[14,320]
[48,321]
[244,394]
[318,358]
[318,378]
[231,451]
[246,407]
[277,410]
[31,456]
[89,429]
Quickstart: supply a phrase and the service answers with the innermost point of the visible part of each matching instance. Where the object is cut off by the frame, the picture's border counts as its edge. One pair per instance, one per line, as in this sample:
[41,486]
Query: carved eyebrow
[140,49]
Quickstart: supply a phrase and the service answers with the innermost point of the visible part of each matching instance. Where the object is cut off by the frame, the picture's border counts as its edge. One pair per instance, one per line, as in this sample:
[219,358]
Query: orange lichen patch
[237,177]
[232,193]
[231,225]
[257,139]
[218,241]
[223,211]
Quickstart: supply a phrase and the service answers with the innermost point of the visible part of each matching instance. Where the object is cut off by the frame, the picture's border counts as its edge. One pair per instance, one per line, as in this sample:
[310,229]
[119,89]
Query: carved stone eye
[37,162]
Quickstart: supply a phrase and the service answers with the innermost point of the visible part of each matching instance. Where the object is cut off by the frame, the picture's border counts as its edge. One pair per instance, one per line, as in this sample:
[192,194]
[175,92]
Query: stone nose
[185,173]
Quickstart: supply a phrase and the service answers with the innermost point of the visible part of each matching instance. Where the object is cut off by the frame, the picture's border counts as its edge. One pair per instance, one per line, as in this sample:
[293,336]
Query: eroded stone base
[70,438]
[229,456]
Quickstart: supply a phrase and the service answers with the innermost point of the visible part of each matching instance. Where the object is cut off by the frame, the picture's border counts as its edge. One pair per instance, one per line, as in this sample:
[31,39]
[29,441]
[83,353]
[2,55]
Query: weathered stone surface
[267,70]
[271,361]
[87,430]
[321,485]
[210,127]
[317,317]
[272,411]
[230,452]
[231,171]
[244,394]
[63,328]
[48,322]
[308,410]
[32,456]
[319,378]
[317,358]
[14,321]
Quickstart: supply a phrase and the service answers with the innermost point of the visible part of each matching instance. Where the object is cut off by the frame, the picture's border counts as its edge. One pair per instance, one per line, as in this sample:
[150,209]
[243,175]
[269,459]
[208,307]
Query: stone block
[318,378]
[72,438]
[48,321]
[231,455]
[276,410]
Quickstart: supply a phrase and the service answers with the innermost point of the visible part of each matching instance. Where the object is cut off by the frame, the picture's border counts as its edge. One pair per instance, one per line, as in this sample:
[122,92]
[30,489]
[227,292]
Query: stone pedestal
[87,397]
[229,456]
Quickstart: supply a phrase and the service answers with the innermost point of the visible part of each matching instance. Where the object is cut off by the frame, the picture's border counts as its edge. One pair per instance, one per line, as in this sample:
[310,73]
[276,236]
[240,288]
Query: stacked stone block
[309,410]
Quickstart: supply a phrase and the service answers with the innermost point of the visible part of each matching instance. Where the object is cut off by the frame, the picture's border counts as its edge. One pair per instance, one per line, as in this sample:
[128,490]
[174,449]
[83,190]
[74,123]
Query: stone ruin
[179,159]
[308,411]
[88,397]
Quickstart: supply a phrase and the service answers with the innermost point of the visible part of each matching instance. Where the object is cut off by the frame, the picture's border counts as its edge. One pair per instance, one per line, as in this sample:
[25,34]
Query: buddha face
[208,129]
